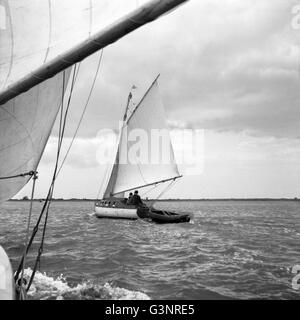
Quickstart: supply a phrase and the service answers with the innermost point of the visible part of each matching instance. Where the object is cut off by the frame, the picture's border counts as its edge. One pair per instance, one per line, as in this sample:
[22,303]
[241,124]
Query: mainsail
[158,165]
[38,40]
[25,125]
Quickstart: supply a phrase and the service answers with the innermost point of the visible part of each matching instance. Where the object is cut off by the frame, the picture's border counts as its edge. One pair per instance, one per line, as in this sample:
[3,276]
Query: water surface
[231,249]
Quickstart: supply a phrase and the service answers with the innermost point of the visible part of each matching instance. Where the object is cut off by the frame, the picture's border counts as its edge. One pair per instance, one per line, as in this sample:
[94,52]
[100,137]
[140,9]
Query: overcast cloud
[230,67]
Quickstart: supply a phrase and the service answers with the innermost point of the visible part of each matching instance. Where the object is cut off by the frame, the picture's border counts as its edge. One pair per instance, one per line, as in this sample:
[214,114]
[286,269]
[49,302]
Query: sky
[229,69]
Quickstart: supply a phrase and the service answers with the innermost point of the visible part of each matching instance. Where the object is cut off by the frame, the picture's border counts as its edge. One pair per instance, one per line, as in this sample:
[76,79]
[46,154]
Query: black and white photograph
[149,151]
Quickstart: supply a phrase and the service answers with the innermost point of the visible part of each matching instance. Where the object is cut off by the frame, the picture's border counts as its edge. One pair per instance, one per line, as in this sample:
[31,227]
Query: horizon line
[168,199]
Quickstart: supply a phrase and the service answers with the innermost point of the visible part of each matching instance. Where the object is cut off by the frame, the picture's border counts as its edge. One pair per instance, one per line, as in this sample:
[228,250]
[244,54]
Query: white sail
[159,163]
[37,31]
[25,125]
[40,38]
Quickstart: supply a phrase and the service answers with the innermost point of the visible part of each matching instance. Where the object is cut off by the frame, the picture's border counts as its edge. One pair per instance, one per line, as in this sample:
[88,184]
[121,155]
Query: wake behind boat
[148,116]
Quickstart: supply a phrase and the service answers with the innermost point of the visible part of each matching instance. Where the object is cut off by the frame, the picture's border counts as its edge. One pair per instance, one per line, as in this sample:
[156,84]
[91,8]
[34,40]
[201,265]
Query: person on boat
[129,198]
[136,199]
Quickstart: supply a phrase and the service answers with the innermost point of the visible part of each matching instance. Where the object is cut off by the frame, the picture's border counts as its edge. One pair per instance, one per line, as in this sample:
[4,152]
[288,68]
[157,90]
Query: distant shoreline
[174,200]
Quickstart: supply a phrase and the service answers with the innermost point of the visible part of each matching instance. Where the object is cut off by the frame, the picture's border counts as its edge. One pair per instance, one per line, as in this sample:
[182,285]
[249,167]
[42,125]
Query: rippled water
[231,249]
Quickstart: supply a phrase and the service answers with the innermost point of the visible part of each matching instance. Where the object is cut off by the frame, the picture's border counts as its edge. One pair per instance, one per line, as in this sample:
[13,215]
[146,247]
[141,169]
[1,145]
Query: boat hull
[118,209]
[116,213]
[7,287]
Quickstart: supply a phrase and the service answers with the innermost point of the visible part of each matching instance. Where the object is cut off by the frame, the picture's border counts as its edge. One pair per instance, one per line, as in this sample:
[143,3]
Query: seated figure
[136,199]
[129,200]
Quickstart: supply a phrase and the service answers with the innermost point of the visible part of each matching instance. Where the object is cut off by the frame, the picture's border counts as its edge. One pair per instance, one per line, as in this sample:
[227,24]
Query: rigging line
[79,64]
[143,194]
[49,195]
[169,186]
[21,288]
[61,110]
[30,173]
[35,230]
[68,105]
[50,191]
[82,115]
[63,120]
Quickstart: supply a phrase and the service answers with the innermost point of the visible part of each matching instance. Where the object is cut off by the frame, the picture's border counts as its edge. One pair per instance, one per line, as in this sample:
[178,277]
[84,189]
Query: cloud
[225,66]
[85,152]
[234,165]
[231,68]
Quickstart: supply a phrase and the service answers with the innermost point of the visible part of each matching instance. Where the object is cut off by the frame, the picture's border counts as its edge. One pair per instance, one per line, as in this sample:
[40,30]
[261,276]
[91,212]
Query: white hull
[121,213]
[7,290]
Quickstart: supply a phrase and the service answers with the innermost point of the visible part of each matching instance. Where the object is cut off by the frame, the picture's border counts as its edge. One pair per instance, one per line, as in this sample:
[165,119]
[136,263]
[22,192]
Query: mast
[152,84]
[114,170]
[127,106]
[143,15]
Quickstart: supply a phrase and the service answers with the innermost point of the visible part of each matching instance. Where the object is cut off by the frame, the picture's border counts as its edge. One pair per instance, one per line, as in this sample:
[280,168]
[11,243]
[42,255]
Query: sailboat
[40,41]
[149,117]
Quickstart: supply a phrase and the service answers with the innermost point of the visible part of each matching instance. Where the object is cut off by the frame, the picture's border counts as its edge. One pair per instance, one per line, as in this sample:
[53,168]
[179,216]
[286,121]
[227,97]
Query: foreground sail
[25,125]
[129,173]
[38,40]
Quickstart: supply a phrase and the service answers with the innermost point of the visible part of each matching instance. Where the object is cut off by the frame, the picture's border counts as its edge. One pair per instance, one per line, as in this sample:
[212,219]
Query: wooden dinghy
[162,216]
